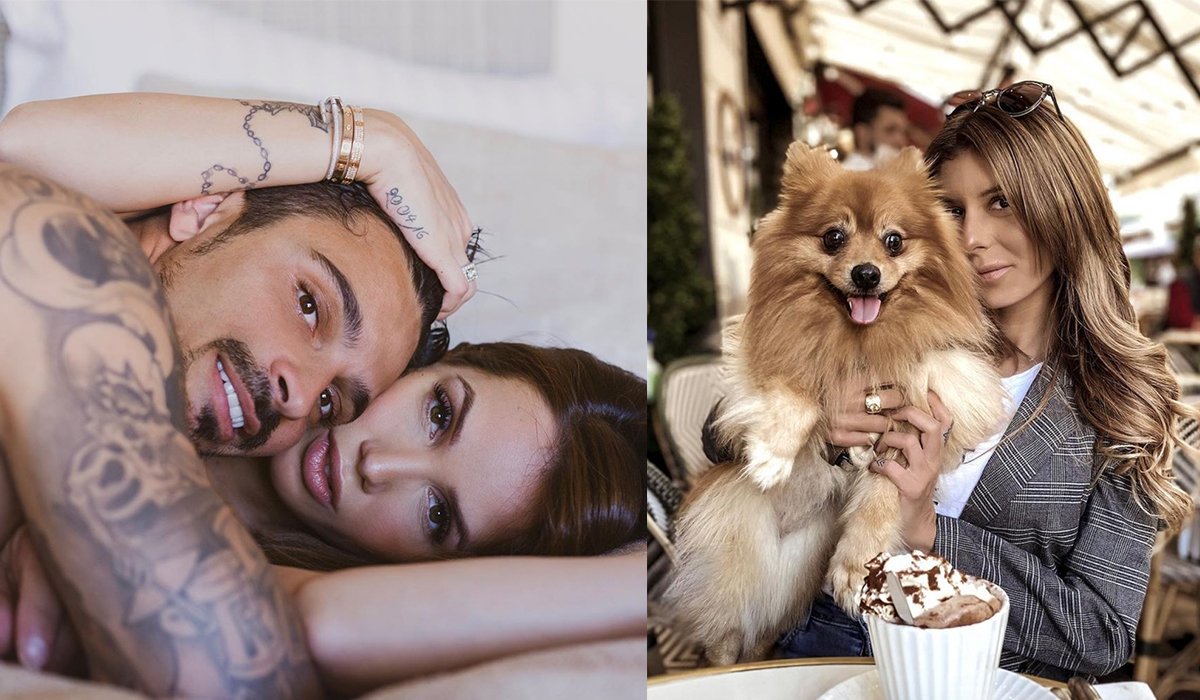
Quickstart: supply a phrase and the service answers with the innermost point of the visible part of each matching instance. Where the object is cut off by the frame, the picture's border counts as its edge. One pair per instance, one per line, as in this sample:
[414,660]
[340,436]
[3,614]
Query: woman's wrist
[922,530]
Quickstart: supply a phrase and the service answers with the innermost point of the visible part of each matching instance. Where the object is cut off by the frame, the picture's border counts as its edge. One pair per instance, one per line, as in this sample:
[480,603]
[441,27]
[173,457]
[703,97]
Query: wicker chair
[690,387]
[662,500]
[1174,571]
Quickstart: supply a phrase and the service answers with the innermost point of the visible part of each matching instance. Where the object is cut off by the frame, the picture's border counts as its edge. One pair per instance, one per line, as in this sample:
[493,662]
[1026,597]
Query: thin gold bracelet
[356,149]
[345,144]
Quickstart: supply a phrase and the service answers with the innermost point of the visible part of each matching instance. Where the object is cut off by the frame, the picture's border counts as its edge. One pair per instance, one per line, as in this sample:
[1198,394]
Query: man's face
[890,128]
[306,320]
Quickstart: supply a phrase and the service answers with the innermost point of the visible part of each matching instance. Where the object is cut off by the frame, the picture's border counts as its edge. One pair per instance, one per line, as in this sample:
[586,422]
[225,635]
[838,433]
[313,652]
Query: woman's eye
[1000,203]
[956,212]
[441,412]
[308,308]
[326,402]
[437,517]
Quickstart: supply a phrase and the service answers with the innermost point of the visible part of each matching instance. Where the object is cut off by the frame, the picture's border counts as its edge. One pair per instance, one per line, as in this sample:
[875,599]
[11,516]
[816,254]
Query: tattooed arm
[166,589]
[137,151]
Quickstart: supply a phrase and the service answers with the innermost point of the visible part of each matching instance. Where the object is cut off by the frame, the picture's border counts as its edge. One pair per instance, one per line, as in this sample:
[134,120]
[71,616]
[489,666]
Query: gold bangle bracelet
[345,145]
[356,149]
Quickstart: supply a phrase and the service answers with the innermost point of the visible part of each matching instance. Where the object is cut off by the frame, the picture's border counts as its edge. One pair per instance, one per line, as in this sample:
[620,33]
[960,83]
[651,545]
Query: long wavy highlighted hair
[1123,383]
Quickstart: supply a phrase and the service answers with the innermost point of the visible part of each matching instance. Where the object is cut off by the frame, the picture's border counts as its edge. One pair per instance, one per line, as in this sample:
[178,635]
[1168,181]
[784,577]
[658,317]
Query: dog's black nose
[865,276]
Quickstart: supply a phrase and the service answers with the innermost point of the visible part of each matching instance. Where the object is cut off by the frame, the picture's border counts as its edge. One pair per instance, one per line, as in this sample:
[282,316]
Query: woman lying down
[381,520]
[372,616]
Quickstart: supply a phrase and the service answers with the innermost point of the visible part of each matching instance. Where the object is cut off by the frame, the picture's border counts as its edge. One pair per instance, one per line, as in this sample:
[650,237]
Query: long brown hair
[591,499]
[1123,383]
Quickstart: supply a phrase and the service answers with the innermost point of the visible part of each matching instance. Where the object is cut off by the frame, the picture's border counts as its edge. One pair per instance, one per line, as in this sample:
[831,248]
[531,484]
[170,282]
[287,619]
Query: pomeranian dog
[856,274]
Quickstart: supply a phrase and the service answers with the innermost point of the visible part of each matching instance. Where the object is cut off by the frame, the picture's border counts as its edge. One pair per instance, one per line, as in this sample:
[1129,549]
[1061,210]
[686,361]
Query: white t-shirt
[954,488]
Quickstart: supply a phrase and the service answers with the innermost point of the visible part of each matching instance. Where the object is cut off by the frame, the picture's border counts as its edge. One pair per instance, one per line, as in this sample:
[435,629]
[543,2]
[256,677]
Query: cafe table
[805,679]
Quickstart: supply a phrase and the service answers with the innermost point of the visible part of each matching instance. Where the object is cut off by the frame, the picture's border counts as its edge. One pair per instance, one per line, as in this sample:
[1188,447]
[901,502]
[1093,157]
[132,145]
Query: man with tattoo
[245,316]
[302,322]
[166,589]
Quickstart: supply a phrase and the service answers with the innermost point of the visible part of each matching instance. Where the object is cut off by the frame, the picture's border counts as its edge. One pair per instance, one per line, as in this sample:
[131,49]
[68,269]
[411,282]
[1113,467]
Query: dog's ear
[908,161]
[805,167]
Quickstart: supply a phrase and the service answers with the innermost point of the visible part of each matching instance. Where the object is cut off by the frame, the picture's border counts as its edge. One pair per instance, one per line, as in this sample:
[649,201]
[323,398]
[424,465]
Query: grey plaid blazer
[1073,558]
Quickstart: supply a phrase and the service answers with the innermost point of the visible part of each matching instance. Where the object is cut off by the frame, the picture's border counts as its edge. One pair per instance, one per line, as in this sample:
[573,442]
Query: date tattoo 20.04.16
[408,220]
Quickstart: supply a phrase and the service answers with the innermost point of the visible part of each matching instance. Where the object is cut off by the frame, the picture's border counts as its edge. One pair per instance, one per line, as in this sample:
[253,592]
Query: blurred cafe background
[731,83]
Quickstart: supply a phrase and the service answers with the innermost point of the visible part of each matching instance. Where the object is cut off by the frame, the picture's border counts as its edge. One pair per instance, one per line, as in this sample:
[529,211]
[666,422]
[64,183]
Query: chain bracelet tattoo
[168,591]
[315,120]
[408,220]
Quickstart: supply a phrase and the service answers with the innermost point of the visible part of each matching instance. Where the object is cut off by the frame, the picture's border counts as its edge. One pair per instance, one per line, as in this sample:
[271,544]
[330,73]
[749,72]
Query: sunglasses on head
[1016,100]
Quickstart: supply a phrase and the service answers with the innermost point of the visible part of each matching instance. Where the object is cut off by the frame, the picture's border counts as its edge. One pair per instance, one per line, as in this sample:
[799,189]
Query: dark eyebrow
[994,189]
[459,523]
[351,316]
[468,402]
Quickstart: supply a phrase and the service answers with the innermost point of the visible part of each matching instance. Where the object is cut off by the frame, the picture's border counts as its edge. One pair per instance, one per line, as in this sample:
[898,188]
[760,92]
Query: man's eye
[437,517]
[308,308]
[441,411]
[326,401]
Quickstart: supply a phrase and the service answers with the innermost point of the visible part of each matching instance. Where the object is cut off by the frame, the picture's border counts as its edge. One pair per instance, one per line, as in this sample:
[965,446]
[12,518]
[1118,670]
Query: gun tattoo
[408,220]
[147,558]
[315,120]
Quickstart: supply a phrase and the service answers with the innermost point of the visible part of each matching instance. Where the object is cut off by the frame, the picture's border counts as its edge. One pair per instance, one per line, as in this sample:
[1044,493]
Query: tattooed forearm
[168,591]
[408,219]
[315,119]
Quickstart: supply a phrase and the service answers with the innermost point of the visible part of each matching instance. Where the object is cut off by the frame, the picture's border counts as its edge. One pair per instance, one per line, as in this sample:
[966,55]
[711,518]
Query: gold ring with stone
[874,403]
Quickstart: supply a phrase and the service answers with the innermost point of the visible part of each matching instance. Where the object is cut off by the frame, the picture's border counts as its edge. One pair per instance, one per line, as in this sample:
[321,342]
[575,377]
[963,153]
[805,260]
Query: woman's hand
[917,481]
[406,181]
[34,628]
[850,425]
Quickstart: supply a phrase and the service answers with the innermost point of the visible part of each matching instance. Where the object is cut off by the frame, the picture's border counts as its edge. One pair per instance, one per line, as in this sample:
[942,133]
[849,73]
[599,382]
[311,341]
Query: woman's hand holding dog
[850,425]
[916,482]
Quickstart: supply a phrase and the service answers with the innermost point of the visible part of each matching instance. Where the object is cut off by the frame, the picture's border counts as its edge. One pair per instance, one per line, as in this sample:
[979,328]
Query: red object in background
[1179,305]
[839,100]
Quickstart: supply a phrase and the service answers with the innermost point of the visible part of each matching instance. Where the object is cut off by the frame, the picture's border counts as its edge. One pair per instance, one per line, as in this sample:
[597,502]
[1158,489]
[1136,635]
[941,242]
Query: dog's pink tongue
[864,309]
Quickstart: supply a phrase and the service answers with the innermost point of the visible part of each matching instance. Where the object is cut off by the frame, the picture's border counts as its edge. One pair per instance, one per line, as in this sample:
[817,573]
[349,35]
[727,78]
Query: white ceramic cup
[939,664]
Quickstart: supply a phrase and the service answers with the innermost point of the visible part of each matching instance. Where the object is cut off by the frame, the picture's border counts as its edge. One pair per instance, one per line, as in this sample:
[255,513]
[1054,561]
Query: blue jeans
[826,630]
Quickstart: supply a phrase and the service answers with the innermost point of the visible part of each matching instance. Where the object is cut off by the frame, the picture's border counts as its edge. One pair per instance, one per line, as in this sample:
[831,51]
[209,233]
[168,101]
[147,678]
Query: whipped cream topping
[927,579]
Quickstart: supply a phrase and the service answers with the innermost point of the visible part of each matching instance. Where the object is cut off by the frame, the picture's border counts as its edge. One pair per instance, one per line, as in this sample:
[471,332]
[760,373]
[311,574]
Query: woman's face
[999,248]
[445,458]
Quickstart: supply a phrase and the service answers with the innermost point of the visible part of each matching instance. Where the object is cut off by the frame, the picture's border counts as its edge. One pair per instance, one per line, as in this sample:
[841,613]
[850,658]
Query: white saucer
[1009,686]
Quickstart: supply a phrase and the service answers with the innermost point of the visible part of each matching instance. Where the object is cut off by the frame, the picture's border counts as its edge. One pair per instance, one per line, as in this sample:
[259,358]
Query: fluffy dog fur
[757,539]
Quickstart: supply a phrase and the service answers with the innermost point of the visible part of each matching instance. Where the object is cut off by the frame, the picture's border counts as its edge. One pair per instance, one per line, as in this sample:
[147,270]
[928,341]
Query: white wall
[723,70]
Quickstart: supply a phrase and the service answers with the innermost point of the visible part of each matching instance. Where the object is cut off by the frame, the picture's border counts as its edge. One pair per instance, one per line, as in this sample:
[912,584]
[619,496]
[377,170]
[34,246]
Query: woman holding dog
[1061,509]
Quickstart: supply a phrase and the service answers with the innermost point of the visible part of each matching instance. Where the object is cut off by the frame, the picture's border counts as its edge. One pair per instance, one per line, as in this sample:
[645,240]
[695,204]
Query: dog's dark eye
[834,239]
[893,242]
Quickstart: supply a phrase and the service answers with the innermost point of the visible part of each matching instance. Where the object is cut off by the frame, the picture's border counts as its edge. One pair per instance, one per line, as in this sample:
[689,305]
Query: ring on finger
[470,272]
[873,403]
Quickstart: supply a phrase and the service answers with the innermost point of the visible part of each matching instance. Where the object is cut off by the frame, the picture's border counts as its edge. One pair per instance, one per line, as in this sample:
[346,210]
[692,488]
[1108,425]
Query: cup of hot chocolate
[936,631]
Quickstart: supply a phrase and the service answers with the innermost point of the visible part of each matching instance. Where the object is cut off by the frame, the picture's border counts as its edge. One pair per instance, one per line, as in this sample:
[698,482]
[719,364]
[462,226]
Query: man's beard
[258,385]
